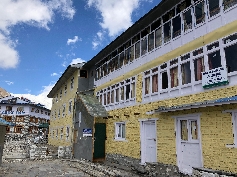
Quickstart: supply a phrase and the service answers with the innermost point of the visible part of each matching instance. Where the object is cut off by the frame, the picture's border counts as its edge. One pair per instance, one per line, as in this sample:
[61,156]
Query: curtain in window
[174,77]
[108,98]
[122,93]
[147,85]
[155,83]
[199,66]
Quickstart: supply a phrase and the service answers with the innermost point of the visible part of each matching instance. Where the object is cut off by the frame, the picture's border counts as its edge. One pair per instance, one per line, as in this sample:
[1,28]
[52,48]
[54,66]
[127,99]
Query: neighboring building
[26,115]
[89,128]
[169,84]
[4,93]
[63,94]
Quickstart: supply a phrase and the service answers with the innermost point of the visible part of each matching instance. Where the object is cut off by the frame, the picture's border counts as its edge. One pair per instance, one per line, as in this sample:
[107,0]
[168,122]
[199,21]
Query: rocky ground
[57,167]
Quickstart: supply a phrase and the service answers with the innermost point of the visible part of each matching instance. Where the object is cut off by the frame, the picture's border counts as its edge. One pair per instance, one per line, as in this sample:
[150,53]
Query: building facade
[169,85]
[26,115]
[63,94]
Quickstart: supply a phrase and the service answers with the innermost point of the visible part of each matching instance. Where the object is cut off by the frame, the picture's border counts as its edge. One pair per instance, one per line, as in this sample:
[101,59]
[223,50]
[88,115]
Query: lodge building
[169,86]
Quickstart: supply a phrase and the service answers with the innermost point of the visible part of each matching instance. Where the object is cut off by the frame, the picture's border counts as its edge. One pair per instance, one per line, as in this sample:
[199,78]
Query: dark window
[127,91]
[186,73]
[214,59]
[214,7]
[176,26]
[83,73]
[164,80]
[231,58]
[199,13]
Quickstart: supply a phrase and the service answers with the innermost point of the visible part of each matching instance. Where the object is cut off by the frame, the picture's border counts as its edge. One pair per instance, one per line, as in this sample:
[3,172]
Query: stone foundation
[202,172]
[150,169]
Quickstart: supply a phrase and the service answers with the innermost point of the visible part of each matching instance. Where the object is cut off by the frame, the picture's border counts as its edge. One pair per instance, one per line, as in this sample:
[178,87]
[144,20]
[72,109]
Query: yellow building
[169,84]
[63,94]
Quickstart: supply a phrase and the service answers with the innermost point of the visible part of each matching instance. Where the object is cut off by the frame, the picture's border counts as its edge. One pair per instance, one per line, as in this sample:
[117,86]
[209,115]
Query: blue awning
[220,101]
[4,122]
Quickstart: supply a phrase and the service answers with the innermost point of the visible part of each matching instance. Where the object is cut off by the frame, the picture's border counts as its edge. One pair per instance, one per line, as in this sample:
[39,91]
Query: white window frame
[117,129]
[234,128]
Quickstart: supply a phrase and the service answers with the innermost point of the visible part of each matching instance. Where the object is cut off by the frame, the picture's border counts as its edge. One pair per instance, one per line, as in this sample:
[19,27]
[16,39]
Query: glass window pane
[176,26]
[164,80]
[194,129]
[147,85]
[186,73]
[133,90]
[184,130]
[144,45]
[214,59]
[137,50]
[187,17]
[155,83]
[174,77]
[158,35]
[167,31]
[231,58]
[199,68]
[151,42]
[214,7]
[200,13]
[229,3]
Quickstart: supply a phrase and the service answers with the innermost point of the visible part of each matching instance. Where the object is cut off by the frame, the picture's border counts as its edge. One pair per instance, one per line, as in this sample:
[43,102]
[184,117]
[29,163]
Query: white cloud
[73,41]
[116,15]
[77,60]
[9,82]
[37,13]
[40,98]
[54,74]
[95,44]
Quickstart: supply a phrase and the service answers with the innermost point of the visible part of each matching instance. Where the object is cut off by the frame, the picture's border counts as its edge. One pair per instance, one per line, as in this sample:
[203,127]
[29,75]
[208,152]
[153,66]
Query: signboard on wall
[87,132]
[214,77]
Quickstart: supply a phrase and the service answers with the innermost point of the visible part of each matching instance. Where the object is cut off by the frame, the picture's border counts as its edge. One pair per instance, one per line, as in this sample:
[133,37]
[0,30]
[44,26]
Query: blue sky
[40,38]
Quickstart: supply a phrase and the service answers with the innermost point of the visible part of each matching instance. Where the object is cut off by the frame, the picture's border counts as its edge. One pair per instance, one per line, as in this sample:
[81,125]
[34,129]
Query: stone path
[46,168]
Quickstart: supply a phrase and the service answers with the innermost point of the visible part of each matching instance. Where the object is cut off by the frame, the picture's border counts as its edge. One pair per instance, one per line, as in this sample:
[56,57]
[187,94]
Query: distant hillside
[3,93]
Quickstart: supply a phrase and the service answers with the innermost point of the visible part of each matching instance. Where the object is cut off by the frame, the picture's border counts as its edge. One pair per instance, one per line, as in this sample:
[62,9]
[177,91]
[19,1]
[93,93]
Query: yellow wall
[216,130]
[63,121]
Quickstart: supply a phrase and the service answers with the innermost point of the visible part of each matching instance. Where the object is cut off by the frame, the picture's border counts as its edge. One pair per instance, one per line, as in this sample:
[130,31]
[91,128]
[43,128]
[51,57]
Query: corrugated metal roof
[4,122]
[92,104]
[220,101]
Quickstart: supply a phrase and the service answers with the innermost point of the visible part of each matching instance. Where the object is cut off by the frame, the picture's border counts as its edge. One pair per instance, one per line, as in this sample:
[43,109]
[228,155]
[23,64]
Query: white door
[188,144]
[148,141]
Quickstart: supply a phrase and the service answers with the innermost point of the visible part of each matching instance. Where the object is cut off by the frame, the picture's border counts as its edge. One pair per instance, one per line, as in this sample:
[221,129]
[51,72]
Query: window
[199,68]
[199,13]
[186,73]
[117,95]
[61,134]
[176,22]
[112,96]
[133,90]
[214,7]
[147,85]
[137,50]
[167,31]
[56,133]
[174,77]
[229,3]
[59,113]
[151,42]
[72,82]
[7,129]
[214,60]
[20,118]
[32,109]
[67,133]
[20,109]
[231,58]
[8,108]
[70,107]
[65,88]
[60,95]
[120,131]
[18,129]
[144,45]
[187,17]
[155,83]
[158,37]
[164,76]
[122,92]
[8,118]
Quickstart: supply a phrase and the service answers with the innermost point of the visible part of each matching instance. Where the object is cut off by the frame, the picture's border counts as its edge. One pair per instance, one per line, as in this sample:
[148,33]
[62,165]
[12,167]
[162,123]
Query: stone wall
[150,169]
